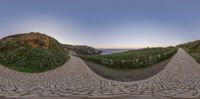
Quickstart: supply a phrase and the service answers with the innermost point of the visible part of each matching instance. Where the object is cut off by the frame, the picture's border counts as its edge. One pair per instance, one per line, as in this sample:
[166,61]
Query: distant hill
[32,52]
[82,49]
[193,48]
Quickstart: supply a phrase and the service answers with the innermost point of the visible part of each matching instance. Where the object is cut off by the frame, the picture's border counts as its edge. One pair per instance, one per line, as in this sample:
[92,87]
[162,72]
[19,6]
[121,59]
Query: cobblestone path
[180,78]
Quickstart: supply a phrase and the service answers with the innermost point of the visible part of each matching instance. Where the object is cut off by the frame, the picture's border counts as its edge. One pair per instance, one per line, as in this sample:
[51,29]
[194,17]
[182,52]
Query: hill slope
[82,49]
[32,52]
[193,48]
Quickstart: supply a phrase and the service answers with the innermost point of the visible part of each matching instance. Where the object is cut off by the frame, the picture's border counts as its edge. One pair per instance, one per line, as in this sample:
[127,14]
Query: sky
[105,23]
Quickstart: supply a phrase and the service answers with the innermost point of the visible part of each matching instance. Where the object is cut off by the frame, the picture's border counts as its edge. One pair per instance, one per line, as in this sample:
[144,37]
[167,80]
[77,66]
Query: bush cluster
[126,60]
[193,48]
[26,58]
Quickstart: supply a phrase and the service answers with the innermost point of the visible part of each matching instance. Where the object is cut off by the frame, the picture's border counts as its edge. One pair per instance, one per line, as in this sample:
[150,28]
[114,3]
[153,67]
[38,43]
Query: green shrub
[193,48]
[126,60]
[25,58]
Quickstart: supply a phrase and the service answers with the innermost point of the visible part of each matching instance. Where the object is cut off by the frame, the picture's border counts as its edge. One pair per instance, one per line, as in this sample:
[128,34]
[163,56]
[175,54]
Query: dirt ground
[127,75]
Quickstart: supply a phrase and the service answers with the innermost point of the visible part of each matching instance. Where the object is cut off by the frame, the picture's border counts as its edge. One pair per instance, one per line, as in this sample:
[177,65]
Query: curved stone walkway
[180,78]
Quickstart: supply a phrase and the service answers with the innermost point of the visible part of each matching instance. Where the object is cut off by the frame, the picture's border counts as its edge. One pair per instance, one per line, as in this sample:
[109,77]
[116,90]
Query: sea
[111,51]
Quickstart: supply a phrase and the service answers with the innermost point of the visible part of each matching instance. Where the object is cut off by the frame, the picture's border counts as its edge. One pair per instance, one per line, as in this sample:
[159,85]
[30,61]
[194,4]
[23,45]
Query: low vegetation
[32,52]
[133,58]
[193,48]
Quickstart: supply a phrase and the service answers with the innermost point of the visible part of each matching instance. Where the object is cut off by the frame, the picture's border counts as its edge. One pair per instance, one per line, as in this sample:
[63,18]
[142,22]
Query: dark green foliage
[28,59]
[133,58]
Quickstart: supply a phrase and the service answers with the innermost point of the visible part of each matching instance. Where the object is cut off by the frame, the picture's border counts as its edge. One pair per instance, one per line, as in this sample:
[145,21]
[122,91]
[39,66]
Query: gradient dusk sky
[105,23]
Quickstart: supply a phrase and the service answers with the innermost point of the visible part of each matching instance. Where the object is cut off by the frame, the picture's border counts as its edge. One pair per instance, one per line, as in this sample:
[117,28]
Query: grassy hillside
[32,52]
[133,58]
[81,49]
[193,48]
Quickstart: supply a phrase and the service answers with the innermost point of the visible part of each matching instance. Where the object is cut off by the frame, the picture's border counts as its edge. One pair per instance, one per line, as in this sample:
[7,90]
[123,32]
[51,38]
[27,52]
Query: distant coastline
[111,51]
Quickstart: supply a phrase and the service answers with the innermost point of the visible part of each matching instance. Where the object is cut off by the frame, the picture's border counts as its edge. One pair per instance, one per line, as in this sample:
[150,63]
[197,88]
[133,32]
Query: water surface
[111,51]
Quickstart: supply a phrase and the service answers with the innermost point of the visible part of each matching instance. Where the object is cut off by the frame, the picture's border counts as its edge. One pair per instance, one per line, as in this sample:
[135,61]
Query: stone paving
[180,78]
